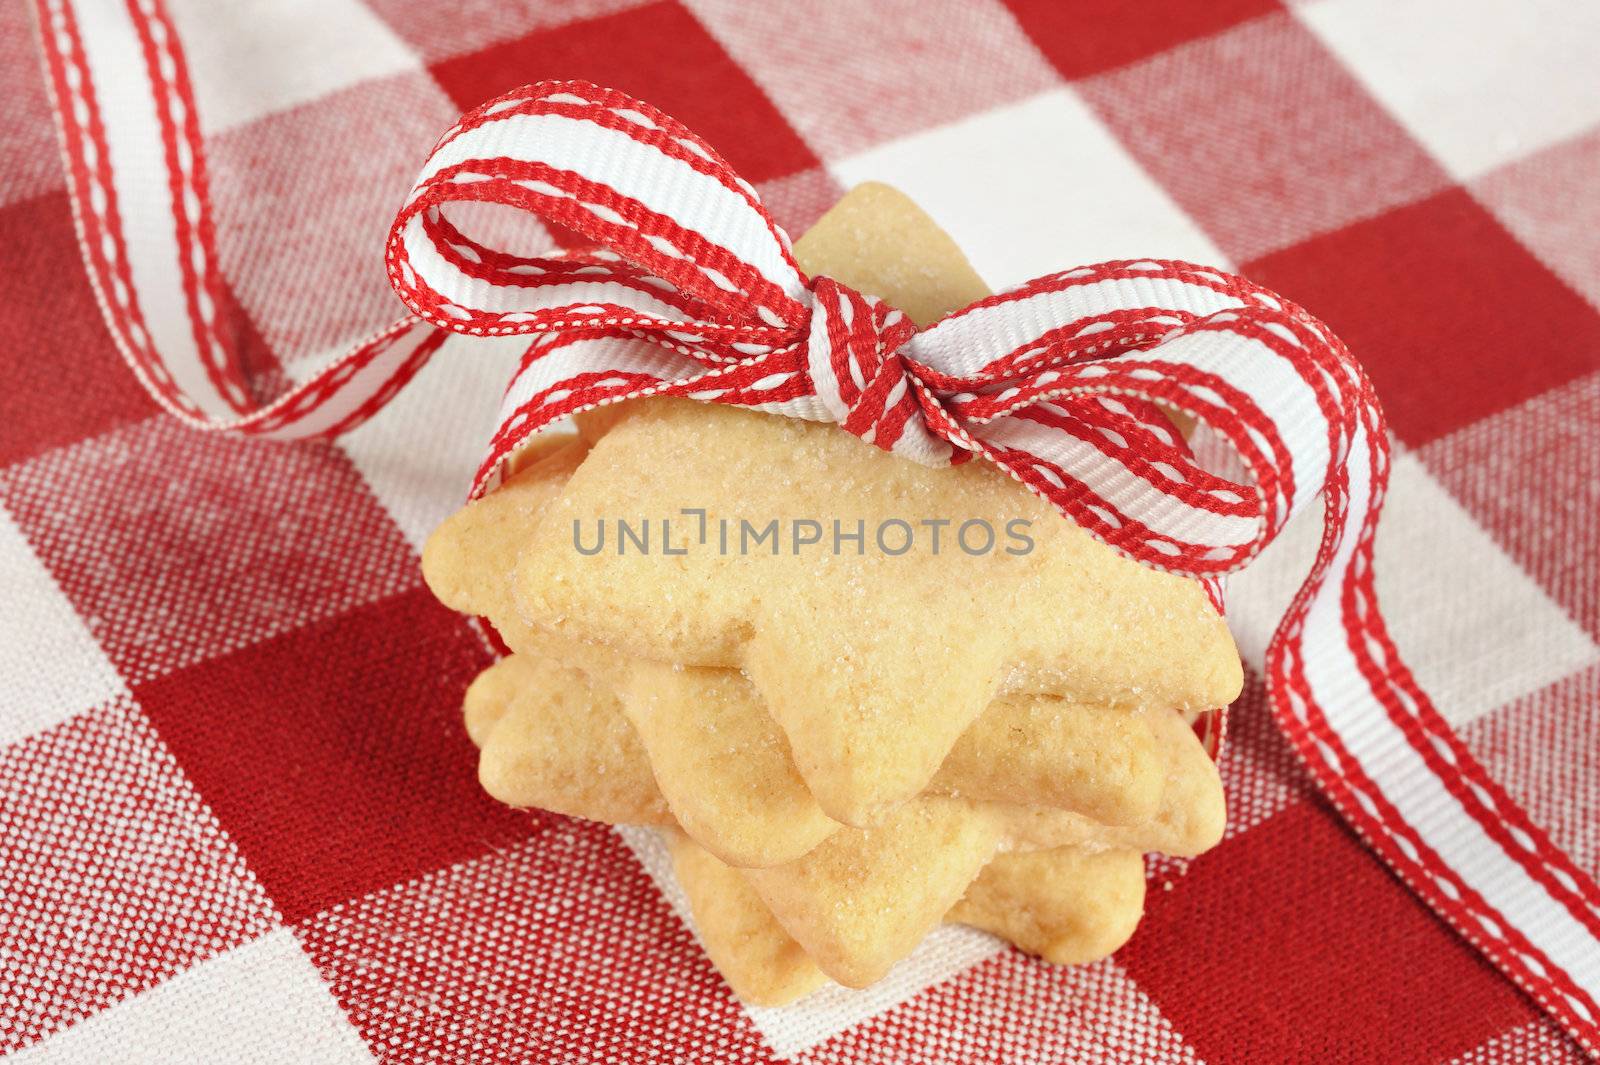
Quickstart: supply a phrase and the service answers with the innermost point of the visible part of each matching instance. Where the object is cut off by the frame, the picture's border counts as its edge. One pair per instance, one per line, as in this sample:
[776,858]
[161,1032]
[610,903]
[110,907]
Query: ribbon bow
[695,292]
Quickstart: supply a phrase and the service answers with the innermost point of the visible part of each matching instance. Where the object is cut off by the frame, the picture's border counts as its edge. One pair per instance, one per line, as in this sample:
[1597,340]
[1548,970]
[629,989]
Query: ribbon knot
[862,378]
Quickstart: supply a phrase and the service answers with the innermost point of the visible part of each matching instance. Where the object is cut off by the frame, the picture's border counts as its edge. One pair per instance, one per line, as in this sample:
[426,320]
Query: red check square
[1084,37]
[1291,943]
[657,53]
[334,755]
[1262,136]
[48,312]
[175,546]
[1453,319]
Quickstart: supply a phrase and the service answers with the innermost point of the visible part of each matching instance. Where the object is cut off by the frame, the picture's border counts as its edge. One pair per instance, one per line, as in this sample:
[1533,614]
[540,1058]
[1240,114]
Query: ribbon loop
[662,204]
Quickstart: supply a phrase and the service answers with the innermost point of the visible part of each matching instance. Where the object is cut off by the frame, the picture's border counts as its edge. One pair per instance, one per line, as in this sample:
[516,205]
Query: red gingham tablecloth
[238,814]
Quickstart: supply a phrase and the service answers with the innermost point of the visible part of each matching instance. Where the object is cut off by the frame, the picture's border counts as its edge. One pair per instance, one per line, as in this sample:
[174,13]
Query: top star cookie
[872,662]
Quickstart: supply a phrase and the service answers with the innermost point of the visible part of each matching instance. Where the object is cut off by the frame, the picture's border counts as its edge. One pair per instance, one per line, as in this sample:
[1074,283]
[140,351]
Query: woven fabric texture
[238,813]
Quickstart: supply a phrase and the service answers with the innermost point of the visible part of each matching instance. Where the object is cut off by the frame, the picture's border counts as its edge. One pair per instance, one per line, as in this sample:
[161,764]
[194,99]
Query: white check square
[1476,630]
[251,60]
[52,666]
[1477,86]
[419,453]
[791,1030]
[1035,187]
[257,1004]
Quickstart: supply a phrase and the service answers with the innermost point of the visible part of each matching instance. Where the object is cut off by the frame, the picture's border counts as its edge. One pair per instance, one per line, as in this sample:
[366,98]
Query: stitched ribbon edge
[191,372]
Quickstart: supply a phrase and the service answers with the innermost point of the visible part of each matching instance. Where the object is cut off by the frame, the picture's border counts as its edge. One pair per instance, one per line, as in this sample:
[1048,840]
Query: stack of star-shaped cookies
[844,747]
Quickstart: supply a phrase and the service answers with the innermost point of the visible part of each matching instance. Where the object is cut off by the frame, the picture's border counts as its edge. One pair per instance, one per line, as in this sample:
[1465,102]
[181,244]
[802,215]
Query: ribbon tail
[158,281]
[1382,753]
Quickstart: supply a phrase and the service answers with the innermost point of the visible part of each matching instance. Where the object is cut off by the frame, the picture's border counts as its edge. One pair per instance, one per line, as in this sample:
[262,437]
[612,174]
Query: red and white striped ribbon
[695,292]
